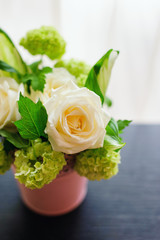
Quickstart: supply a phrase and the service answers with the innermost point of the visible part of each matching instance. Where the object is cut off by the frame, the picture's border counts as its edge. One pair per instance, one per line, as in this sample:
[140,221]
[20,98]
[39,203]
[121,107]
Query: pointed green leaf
[46,70]
[34,118]
[112,128]
[108,101]
[36,79]
[105,65]
[15,139]
[10,55]
[99,75]
[112,138]
[7,68]
[113,143]
[34,66]
[122,124]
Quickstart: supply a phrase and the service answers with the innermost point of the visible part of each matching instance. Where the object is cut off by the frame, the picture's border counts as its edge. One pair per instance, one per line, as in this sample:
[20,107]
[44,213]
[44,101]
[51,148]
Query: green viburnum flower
[97,164]
[45,41]
[77,68]
[5,160]
[38,165]
[81,79]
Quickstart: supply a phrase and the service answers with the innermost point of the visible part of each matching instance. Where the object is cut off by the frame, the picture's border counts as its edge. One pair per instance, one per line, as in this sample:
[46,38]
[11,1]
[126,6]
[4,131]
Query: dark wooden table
[127,207]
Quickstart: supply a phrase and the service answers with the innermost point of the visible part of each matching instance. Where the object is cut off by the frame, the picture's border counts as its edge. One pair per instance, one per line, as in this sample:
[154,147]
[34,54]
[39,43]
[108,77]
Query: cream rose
[76,120]
[58,78]
[9,95]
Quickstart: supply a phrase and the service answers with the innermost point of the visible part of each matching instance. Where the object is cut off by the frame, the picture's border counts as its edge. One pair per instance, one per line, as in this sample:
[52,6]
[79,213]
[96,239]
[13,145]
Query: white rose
[9,95]
[58,78]
[76,120]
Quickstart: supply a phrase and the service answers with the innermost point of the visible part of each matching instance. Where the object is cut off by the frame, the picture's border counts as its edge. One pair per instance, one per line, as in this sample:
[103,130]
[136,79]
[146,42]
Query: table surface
[127,207]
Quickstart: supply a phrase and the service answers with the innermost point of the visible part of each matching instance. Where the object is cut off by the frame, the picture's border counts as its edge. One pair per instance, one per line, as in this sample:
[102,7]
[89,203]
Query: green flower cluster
[77,68]
[81,80]
[98,164]
[45,40]
[38,165]
[5,160]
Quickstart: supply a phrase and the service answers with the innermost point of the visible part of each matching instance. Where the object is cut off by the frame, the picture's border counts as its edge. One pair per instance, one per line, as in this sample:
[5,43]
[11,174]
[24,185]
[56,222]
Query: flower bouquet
[54,130]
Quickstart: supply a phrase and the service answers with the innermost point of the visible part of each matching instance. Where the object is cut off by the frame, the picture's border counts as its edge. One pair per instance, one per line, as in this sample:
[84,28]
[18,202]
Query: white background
[91,27]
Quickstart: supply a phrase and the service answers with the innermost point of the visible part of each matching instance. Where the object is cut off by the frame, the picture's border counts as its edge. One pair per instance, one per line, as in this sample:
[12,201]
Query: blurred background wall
[91,27]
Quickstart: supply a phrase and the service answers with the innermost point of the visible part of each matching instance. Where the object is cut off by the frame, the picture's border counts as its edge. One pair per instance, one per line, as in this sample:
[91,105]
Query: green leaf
[112,128]
[34,118]
[99,75]
[112,138]
[38,82]
[6,36]
[122,124]
[36,79]
[113,143]
[10,55]
[8,147]
[15,139]
[34,66]
[105,65]
[108,101]
[46,70]
[7,68]
[92,84]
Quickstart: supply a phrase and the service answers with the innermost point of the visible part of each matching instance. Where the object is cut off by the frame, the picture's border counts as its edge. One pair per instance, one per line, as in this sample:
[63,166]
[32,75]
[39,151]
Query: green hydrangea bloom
[45,40]
[81,79]
[75,67]
[38,165]
[5,160]
[97,164]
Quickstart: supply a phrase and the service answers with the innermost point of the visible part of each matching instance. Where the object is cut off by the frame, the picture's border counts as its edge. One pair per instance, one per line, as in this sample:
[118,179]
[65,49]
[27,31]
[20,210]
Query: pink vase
[61,196]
